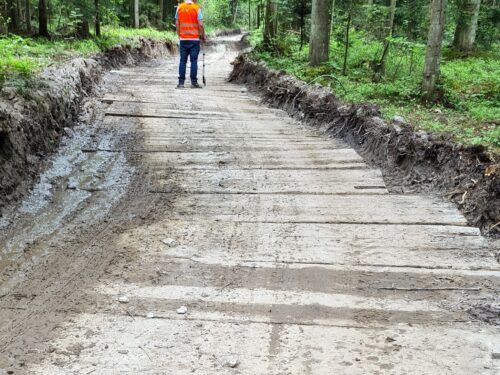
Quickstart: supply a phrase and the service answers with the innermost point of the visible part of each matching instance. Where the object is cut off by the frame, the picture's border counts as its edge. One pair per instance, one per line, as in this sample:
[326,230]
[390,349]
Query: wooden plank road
[287,250]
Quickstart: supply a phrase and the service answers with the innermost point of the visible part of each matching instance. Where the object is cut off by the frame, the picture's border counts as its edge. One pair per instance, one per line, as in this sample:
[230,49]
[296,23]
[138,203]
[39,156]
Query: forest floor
[21,57]
[469,105]
[198,231]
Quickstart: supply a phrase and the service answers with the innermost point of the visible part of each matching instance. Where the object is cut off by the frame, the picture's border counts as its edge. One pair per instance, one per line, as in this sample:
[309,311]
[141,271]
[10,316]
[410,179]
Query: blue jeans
[189,48]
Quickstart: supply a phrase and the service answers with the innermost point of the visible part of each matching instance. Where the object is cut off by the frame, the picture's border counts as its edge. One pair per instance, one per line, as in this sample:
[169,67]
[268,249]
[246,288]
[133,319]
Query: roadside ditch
[411,161]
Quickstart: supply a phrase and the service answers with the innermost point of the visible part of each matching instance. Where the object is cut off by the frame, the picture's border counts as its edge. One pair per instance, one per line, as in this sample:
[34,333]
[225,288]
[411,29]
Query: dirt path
[285,248]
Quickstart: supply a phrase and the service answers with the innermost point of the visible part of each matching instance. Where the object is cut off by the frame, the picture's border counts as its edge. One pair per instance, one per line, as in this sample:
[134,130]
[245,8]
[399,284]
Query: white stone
[123,299]
[150,315]
[170,242]
[182,310]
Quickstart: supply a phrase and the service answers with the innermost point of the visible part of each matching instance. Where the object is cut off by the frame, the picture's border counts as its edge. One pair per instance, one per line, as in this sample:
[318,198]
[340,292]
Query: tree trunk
[269,24]
[465,32]
[43,21]
[346,51]
[234,8]
[433,52]
[97,19]
[258,16]
[412,21]
[27,15]
[161,4]
[332,18]
[18,14]
[392,12]
[249,15]
[14,21]
[134,13]
[83,29]
[319,43]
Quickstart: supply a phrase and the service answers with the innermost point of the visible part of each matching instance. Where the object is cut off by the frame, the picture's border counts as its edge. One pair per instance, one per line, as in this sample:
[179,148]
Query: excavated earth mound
[412,161]
[33,121]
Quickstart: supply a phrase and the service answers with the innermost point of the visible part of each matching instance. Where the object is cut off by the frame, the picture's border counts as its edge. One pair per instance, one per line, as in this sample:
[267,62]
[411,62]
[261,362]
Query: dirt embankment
[33,121]
[411,161]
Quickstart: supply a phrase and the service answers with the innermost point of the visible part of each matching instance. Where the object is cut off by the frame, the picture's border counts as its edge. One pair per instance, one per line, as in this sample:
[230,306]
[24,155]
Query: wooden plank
[158,110]
[337,158]
[378,209]
[318,245]
[354,181]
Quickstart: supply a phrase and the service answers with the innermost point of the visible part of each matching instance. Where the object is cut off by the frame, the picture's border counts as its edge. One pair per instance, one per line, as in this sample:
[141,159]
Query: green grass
[21,57]
[470,109]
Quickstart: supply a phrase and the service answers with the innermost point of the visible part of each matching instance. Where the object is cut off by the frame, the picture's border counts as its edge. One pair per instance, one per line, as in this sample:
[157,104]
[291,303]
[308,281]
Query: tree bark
[392,12]
[346,42]
[14,21]
[270,24]
[433,52]
[332,18]
[134,13]
[465,32]
[18,14]
[27,15]
[161,4]
[97,19]
[234,8]
[43,20]
[319,42]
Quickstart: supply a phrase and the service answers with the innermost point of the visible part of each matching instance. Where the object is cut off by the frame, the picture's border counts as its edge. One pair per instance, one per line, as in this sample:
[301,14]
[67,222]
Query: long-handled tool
[204,80]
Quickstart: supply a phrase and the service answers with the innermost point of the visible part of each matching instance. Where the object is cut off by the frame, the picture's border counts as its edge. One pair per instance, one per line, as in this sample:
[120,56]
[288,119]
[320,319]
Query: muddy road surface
[200,232]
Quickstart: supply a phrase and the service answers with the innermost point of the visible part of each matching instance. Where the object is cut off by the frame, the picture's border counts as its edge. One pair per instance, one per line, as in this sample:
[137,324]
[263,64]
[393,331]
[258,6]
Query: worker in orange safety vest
[190,30]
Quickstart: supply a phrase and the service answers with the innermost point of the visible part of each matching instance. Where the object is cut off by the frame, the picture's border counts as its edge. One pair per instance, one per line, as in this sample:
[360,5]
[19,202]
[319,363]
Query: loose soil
[33,121]
[411,161]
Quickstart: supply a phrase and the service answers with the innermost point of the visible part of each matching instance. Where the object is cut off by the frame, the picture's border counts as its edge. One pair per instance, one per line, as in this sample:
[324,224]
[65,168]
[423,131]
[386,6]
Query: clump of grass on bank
[21,57]
[470,107]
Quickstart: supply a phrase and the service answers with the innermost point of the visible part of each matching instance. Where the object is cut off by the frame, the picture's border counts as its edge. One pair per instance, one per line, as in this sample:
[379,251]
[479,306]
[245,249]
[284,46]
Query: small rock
[205,295]
[182,310]
[123,351]
[150,315]
[123,299]
[170,242]
[399,120]
[232,362]
[71,186]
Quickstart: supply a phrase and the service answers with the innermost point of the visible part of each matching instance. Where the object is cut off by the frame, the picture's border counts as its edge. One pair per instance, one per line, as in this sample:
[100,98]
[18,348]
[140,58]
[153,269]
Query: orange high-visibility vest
[187,15]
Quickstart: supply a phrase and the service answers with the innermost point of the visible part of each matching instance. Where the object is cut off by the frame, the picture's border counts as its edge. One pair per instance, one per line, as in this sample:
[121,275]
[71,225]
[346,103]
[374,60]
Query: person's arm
[177,26]
[201,27]
[202,31]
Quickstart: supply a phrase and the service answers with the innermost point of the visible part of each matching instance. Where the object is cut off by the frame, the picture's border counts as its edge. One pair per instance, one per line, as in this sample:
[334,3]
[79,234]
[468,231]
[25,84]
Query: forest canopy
[435,62]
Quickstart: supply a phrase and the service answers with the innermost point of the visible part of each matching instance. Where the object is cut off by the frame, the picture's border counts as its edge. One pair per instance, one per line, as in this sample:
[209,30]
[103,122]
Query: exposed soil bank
[32,123]
[410,160]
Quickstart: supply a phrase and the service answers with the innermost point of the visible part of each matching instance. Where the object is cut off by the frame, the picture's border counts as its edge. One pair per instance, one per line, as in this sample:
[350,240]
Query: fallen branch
[428,289]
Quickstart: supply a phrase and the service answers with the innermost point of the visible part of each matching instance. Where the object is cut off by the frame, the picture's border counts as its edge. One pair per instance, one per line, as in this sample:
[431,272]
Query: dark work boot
[196,86]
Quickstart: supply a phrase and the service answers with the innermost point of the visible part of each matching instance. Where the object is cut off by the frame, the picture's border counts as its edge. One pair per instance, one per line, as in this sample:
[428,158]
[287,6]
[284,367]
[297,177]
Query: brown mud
[411,161]
[33,122]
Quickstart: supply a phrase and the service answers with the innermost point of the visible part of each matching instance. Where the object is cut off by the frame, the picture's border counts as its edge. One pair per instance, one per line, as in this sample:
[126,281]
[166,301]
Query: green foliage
[20,57]
[471,86]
